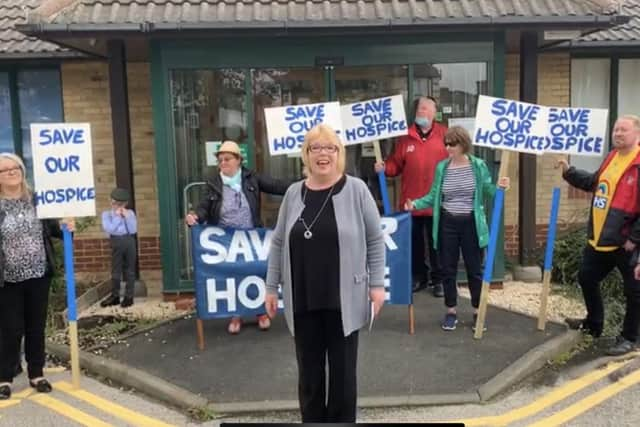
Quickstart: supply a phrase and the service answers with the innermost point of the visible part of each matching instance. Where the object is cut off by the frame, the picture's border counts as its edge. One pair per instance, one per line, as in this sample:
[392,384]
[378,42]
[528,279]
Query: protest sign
[287,126]
[578,131]
[510,125]
[230,267]
[63,170]
[530,128]
[373,119]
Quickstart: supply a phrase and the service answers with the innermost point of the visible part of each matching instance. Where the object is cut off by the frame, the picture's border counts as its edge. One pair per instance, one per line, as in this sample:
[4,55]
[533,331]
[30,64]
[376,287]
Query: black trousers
[423,269]
[456,233]
[594,268]
[23,310]
[319,337]
[123,260]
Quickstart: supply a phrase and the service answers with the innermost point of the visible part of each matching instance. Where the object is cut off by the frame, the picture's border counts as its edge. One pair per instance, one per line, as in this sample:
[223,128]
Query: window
[590,89]
[6,129]
[628,87]
[39,100]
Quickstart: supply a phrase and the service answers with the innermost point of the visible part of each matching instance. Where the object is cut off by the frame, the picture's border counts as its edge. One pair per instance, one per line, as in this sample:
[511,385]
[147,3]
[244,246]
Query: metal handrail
[187,233]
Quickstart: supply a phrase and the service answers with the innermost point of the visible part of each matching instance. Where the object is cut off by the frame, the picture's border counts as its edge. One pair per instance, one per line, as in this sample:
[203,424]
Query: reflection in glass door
[206,106]
[276,87]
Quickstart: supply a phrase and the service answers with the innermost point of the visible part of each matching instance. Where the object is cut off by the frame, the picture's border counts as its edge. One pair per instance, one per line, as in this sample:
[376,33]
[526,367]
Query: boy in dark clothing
[121,225]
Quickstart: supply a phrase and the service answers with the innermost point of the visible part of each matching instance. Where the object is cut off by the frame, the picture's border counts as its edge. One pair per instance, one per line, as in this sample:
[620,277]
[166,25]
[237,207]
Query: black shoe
[41,386]
[418,286]
[5,392]
[622,346]
[584,326]
[126,302]
[112,300]
[437,290]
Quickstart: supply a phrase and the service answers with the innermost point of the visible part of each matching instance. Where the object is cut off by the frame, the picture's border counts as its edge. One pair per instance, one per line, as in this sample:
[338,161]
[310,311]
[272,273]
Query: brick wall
[554,89]
[86,99]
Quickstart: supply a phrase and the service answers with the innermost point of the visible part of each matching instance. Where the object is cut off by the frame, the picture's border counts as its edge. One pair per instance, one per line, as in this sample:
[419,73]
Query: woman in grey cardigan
[327,252]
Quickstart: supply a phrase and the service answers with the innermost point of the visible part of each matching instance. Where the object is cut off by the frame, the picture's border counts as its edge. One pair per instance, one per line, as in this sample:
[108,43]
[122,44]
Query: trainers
[622,346]
[450,321]
[475,322]
[582,325]
[437,290]
[112,300]
[126,302]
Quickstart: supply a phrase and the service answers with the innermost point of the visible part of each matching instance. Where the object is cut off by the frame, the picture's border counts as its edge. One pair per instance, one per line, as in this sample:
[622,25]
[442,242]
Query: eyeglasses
[316,148]
[7,171]
[450,144]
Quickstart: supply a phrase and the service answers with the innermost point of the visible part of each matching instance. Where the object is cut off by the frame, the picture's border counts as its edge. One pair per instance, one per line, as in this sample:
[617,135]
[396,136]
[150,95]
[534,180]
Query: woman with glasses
[457,196]
[233,200]
[26,266]
[330,270]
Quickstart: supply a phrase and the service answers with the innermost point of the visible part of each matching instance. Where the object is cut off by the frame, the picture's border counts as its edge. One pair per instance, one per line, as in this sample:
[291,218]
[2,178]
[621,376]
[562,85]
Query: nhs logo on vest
[600,199]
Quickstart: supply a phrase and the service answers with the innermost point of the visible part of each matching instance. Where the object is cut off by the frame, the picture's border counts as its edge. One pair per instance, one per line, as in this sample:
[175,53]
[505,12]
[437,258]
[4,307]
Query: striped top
[457,190]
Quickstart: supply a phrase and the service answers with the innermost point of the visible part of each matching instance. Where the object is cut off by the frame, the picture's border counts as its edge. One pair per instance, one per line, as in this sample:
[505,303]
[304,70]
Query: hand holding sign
[563,164]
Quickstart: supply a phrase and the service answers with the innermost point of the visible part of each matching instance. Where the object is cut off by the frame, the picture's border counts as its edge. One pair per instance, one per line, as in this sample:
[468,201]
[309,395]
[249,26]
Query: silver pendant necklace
[307,233]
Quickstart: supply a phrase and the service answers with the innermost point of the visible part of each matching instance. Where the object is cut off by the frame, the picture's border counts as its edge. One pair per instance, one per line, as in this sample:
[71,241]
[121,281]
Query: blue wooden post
[72,314]
[548,259]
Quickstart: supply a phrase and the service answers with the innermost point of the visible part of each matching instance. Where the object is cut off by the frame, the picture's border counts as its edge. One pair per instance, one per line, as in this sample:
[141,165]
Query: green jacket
[484,188]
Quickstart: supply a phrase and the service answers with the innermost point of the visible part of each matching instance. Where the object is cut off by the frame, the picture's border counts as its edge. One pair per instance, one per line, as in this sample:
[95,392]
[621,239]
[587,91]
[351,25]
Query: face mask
[423,122]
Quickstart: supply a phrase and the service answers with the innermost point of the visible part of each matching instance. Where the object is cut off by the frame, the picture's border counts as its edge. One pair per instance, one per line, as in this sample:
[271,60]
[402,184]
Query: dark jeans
[318,336]
[424,270]
[594,268]
[23,310]
[123,260]
[459,232]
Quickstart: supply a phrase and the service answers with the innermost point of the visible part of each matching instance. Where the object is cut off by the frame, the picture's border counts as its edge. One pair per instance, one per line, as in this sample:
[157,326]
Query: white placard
[287,126]
[510,125]
[577,131]
[373,119]
[530,128]
[63,170]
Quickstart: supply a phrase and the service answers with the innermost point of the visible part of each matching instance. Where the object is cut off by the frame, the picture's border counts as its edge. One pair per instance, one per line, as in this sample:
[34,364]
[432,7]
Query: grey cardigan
[361,246]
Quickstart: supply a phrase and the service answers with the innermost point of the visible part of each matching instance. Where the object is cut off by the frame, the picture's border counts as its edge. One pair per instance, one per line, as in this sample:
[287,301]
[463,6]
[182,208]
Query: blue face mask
[423,122]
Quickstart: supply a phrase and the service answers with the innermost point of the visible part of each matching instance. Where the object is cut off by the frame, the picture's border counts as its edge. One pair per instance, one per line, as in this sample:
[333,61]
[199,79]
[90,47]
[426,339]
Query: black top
[315,262]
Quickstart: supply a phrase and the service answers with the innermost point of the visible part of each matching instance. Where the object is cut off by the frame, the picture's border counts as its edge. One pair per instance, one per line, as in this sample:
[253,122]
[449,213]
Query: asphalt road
[582,395]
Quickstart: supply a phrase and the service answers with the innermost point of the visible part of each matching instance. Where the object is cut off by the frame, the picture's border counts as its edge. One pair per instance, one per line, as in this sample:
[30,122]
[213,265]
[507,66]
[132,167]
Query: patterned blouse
[22,241]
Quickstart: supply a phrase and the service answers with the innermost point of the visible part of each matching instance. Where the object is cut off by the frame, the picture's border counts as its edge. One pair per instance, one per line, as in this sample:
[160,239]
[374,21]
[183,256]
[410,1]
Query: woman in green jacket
[461,184]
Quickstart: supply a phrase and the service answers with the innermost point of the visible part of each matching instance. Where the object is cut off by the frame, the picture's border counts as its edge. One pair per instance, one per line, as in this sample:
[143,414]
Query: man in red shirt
[415,157]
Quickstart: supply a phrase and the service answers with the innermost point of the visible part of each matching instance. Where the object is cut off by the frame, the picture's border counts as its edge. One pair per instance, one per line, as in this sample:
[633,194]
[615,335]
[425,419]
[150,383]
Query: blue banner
[230,267]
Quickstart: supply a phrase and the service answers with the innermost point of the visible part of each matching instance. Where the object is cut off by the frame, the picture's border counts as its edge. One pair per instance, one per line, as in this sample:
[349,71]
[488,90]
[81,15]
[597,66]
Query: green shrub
[566,264]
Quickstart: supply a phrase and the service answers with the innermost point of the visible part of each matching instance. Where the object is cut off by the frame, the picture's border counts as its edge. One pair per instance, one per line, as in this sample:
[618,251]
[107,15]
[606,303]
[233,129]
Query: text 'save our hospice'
[519,126]
[63,169]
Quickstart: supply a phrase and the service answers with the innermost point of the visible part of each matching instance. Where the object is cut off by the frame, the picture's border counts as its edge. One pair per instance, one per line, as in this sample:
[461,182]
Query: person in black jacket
[233,200]
[26,267]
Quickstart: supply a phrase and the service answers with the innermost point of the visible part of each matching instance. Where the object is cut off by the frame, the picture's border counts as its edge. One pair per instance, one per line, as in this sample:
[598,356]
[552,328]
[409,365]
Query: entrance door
[212,105]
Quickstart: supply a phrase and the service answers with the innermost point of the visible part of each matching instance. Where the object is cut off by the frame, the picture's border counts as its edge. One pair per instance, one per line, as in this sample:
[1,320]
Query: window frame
[14,96]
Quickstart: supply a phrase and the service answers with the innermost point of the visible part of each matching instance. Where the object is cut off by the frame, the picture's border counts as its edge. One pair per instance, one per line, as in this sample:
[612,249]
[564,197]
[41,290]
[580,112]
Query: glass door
[353,84]
[277,87]
[207,107]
